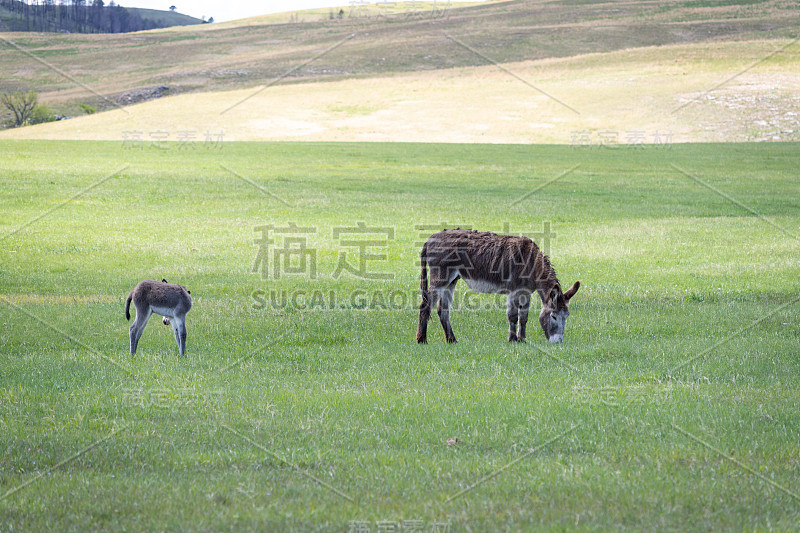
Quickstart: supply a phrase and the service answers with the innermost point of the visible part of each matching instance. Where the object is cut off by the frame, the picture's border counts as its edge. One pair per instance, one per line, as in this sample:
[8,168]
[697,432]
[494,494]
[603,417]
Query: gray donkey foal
[165,299]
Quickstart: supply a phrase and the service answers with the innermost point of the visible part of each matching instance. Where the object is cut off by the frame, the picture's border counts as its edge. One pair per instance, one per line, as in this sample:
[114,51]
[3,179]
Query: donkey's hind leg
[424,315]
[445,300]
[432,298]
[137,328]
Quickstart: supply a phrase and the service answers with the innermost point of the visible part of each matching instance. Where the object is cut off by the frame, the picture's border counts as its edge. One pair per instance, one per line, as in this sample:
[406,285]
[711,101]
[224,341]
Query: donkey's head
[555,310]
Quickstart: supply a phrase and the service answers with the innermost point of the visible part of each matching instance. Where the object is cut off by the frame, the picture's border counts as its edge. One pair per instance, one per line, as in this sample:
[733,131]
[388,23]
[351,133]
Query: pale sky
[237,9]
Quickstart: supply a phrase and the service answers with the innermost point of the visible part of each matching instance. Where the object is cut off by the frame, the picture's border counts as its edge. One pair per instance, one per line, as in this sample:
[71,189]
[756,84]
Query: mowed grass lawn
[671,404]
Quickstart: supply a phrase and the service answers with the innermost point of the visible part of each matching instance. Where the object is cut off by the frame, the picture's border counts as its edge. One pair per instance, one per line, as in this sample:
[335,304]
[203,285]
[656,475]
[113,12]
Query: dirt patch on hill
[144,94]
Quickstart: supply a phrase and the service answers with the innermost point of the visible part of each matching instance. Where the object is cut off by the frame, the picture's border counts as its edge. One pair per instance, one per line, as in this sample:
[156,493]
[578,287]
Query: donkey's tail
[128,306]
[423,275]
[425,306]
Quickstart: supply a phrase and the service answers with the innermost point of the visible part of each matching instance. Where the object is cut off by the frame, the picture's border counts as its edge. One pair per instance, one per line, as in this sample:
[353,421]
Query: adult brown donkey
[492,263]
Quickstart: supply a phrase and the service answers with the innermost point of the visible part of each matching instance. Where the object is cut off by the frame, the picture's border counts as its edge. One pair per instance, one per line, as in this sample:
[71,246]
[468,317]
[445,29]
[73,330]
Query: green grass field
[671,404]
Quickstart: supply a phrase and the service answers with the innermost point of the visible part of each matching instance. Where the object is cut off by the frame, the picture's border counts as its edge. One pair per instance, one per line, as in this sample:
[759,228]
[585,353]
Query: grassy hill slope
[100,69]
[665,94]
[395,10]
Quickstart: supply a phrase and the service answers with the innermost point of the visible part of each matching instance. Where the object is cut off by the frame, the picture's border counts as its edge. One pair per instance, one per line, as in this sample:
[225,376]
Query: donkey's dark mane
[548,267]
[551,272]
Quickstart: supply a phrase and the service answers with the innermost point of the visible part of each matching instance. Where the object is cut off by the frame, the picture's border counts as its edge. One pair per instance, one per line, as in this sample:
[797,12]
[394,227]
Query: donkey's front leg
[523,305]
[513,316]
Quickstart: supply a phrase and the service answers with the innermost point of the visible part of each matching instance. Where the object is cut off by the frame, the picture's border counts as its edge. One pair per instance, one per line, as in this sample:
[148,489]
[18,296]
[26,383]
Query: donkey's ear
[572,290]
[554,292]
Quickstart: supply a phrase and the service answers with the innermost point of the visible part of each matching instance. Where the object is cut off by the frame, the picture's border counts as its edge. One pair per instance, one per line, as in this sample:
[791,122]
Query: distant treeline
[75,16]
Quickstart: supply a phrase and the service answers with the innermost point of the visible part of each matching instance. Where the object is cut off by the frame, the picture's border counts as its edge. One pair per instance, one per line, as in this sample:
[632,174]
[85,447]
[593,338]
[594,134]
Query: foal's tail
[128,306]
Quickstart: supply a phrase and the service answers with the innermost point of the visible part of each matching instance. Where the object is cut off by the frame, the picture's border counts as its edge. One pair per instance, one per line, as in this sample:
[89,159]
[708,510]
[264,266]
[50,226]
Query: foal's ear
[572,290]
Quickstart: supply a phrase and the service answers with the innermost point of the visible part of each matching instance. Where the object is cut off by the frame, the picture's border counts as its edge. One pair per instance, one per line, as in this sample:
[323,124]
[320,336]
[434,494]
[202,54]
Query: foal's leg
[446,298]
[175,331]
[137,328]
[183,339]
[179,327]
